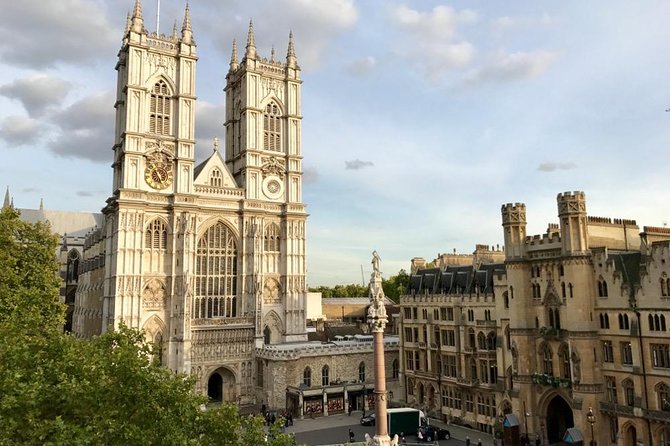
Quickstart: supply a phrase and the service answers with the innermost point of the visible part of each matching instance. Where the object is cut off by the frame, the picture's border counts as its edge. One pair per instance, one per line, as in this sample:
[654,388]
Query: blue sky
[420,117]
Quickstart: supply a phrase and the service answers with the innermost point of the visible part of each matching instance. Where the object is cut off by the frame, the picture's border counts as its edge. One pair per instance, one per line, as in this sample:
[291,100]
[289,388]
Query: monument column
[377,320]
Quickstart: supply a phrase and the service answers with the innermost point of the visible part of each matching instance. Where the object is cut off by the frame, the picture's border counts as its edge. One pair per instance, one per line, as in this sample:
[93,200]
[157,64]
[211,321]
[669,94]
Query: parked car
[368,420]
[430,433]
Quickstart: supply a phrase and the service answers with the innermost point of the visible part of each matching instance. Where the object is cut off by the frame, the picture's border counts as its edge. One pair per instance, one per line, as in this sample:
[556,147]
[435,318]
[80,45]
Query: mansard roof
[455,279]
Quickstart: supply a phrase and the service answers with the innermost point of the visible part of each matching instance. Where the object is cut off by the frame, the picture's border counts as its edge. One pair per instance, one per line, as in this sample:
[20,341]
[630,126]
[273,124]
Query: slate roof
[455,279]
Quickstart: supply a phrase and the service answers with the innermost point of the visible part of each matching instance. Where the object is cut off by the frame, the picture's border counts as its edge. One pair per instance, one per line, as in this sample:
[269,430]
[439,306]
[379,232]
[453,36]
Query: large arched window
[272,238]
[272,127]
[481,341]
[307,377]
[159,113]
[155,237]
[216,274]
[325,376]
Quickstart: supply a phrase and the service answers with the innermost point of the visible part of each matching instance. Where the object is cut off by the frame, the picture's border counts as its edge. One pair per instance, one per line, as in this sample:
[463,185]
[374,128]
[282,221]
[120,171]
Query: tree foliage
[393,287]
[56,389]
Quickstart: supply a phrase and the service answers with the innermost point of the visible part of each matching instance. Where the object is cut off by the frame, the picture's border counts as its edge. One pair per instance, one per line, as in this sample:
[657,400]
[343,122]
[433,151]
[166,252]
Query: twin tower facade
[208,259]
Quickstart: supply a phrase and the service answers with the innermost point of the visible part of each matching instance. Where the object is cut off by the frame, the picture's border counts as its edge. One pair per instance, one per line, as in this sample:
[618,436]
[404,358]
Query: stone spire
[137,22]
[41,204]
[174,30]
[290,54]
[128,23]
[7,202]
[234,64]
[272,54]
[186,32]
[251,43]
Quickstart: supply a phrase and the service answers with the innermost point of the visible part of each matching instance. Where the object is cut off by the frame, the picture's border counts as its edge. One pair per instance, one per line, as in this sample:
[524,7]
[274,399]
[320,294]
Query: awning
[573,435]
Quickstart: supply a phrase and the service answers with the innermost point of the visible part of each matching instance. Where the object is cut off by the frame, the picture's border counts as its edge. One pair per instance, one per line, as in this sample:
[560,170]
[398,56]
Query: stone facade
[577,321]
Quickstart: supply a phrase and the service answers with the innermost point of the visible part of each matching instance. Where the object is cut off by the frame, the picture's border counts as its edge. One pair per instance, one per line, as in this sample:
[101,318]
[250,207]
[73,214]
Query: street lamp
[525,419]
[591,418]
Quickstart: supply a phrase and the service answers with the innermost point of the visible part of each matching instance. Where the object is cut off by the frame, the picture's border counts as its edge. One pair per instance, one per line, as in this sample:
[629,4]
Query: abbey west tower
[208,259]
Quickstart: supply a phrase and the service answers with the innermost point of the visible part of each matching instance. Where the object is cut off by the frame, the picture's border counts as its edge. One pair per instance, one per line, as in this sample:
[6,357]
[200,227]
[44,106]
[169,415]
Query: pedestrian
[290,418]
[351,436]
[467,441]
[351,408]
[419,435]
[402,438]
[538,440]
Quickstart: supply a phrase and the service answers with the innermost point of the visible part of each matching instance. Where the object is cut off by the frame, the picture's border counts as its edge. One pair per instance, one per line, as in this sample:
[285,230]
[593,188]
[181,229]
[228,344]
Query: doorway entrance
[559,419]
[221,386]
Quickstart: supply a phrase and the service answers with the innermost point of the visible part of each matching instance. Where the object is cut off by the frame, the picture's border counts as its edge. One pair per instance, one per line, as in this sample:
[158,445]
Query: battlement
[543,239]
[611,221]
[513,213]
[513,207]
[571,196]
[656,230]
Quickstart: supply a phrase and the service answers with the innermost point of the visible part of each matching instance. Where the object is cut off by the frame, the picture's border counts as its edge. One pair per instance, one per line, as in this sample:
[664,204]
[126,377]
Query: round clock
[273,187]
[158,176]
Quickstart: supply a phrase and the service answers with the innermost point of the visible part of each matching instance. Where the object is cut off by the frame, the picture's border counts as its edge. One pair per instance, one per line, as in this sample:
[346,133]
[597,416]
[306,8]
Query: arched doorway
[559,419]
[221,386]
[630,437]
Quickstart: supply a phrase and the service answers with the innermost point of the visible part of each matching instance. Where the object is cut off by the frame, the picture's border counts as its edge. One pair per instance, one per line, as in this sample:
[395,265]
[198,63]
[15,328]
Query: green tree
[56,389]
[29,284]
[395,286]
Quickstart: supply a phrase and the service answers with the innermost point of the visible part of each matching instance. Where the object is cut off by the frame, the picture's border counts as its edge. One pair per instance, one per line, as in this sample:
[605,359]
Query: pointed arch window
[73,259]
[325,376]
[564,356]
[216,274]
[155,237]
[396,369]
[665,285]
[272,127]
[307,377]
[629,392]
[216,177]
[160,109]
[547,360]
[663,395]
[361,372]
[271,242]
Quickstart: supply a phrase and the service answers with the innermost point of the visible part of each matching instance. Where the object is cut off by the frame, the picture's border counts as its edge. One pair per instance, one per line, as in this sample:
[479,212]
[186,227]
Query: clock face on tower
[158,175]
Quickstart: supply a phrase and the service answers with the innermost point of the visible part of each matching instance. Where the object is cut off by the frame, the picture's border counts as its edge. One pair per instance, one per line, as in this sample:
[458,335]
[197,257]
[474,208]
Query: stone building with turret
[578,315]
[208,257]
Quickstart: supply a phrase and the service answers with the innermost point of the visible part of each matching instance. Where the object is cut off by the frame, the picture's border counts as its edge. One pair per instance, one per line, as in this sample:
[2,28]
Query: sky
[420,118]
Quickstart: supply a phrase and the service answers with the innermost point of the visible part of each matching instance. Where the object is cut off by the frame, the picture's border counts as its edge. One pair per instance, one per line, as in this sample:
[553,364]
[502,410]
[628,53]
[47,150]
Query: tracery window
[216,178]
[325,378]
[272,127]
[72,273]
[216,274]
[629,392]
[159,113]
[396,369]
[663,395]
[155,237]
[564,356]
[547,360]
[271,243]
[610,385]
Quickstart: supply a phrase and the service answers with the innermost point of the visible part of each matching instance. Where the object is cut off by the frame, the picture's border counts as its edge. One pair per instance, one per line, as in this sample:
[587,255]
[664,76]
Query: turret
[290,53]
[186,32]
[514,224]
[572,216]
[234,64]
[250,52]
[137,22]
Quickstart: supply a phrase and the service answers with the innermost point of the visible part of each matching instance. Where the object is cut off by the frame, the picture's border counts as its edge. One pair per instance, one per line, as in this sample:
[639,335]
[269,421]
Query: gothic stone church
[208,259]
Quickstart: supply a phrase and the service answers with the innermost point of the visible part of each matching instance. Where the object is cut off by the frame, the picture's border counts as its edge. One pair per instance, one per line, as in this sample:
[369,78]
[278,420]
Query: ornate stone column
[377,320]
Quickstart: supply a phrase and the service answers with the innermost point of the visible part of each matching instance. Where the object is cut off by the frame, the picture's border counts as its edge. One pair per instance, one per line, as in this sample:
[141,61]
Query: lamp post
[591,418]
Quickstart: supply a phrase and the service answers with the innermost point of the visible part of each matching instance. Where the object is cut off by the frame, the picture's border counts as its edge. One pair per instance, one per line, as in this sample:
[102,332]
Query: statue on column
[375,264]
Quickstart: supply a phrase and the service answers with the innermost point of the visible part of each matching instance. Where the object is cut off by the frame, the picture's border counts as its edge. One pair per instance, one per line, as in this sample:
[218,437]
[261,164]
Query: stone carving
[377,310]
[576,368]
[271,292]
[272,166]
[153,296]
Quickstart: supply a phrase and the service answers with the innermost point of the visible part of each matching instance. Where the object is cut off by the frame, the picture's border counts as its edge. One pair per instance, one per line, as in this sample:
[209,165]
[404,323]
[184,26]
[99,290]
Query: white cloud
[39,34]
[514,66]
[37,93]
[86,129]
[430,40]
[19,130]
[550,166]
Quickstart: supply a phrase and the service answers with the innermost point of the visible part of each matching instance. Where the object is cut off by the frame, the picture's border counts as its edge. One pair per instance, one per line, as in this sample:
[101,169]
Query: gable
[213,172]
